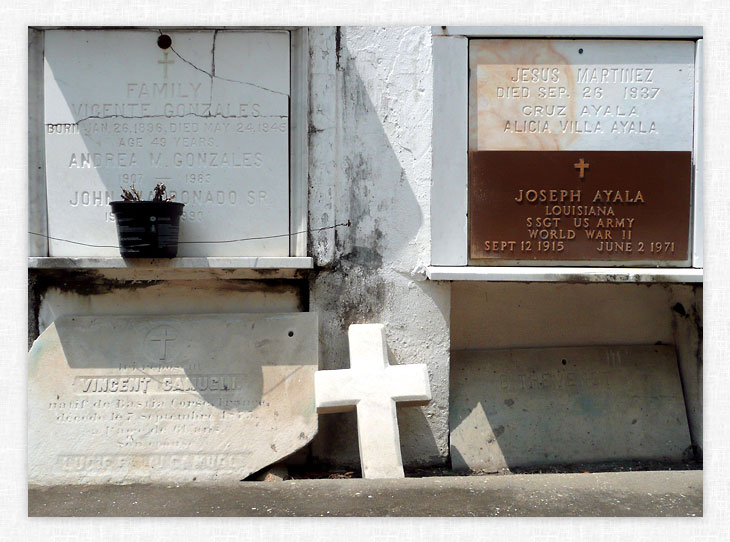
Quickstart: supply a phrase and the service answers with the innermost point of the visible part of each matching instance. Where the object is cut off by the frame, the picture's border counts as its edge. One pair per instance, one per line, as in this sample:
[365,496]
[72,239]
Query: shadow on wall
[166,355]
[549,315]
[374,193]
[542,406]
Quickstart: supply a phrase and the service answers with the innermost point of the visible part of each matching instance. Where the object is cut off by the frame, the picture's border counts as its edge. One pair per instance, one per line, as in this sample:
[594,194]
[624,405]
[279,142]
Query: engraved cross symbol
[582,166]
[165,63]
[162,339]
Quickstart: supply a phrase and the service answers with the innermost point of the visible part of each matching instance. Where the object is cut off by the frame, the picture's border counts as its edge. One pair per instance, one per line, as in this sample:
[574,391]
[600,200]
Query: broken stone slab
[169,399]
[373,387]
[543,406]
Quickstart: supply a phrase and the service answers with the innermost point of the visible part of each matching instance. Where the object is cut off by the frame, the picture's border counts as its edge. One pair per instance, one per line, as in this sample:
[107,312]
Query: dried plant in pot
[147,229]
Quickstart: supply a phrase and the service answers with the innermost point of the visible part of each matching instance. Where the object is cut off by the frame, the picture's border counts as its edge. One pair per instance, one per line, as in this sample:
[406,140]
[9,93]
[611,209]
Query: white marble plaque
[125,399]
[208,116]
[613,95]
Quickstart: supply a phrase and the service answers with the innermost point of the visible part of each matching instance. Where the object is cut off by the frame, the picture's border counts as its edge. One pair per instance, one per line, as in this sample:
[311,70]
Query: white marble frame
[298,140]
[618,32]
[449,187]
[37,205]
[298,143]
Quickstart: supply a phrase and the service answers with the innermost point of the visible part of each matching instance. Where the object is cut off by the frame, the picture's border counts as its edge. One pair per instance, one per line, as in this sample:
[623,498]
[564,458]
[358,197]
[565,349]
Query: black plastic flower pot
[147,229]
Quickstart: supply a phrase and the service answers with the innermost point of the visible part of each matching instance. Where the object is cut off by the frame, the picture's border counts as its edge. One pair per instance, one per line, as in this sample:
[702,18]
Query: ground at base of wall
[304,473]
[608,466]
[608,494]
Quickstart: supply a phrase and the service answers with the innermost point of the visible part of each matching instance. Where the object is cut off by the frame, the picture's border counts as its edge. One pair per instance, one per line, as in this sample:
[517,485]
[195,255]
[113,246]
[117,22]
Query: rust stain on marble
[496,98]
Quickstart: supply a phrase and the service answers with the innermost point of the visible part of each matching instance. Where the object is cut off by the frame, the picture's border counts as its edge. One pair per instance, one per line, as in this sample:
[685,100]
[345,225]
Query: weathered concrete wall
[87,293]
[687,325]
[370,163]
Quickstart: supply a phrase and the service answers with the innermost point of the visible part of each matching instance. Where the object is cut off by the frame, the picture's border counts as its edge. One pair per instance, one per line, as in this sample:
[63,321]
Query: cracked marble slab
[208,116]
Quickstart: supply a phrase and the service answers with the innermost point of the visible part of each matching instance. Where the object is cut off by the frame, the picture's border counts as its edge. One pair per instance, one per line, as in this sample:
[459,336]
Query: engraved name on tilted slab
[207,116]
[171,399]
[580,150]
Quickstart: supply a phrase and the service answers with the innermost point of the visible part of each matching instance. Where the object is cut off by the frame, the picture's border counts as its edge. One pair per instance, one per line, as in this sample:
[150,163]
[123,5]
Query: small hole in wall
[291,333]
[565,362]
[164,41]
[580,51]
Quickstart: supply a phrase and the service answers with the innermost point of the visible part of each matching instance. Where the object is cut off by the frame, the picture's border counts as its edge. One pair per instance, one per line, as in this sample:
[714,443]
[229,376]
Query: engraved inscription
[169,398]
[172,406]
[589,118]
[580,94]
[580,150]
[165,63]
[537,206]
[171,461]
[219,143]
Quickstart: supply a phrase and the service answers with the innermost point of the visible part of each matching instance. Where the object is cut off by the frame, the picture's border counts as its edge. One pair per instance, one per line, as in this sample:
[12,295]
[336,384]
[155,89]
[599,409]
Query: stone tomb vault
[566,156]
[207,116]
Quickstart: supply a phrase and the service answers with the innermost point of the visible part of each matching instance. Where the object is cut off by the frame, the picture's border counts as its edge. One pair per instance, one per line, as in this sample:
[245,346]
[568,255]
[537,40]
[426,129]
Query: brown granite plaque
[579,206]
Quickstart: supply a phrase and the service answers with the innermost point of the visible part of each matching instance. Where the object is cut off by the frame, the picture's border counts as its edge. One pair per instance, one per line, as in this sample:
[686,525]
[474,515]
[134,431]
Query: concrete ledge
[647,493]
[635,32]
[181,268]
[566,274]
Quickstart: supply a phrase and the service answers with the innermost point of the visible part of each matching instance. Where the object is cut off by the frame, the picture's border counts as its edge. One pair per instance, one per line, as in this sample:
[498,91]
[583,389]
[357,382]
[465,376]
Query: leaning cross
[373,387]
[582,166]
[165,63]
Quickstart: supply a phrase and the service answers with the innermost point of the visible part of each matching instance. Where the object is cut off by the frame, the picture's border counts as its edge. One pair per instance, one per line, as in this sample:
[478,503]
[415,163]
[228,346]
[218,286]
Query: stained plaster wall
[370,163]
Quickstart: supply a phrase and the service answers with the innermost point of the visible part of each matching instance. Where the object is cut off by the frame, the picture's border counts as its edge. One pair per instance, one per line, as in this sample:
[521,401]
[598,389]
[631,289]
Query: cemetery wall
[370,162]
[370,154]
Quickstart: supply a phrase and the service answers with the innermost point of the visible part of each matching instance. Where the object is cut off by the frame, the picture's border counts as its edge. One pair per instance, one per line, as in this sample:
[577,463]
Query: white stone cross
[373,386]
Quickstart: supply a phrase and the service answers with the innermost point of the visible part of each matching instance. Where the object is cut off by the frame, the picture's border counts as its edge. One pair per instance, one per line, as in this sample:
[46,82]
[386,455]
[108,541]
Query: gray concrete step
[648,493]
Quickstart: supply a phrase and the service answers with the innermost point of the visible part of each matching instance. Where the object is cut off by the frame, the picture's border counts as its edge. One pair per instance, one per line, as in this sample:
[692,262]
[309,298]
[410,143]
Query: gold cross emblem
[582,166]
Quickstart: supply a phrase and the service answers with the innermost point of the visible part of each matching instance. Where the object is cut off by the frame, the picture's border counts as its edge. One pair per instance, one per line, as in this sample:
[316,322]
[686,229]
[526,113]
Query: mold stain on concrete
[87,282]
[90,283]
